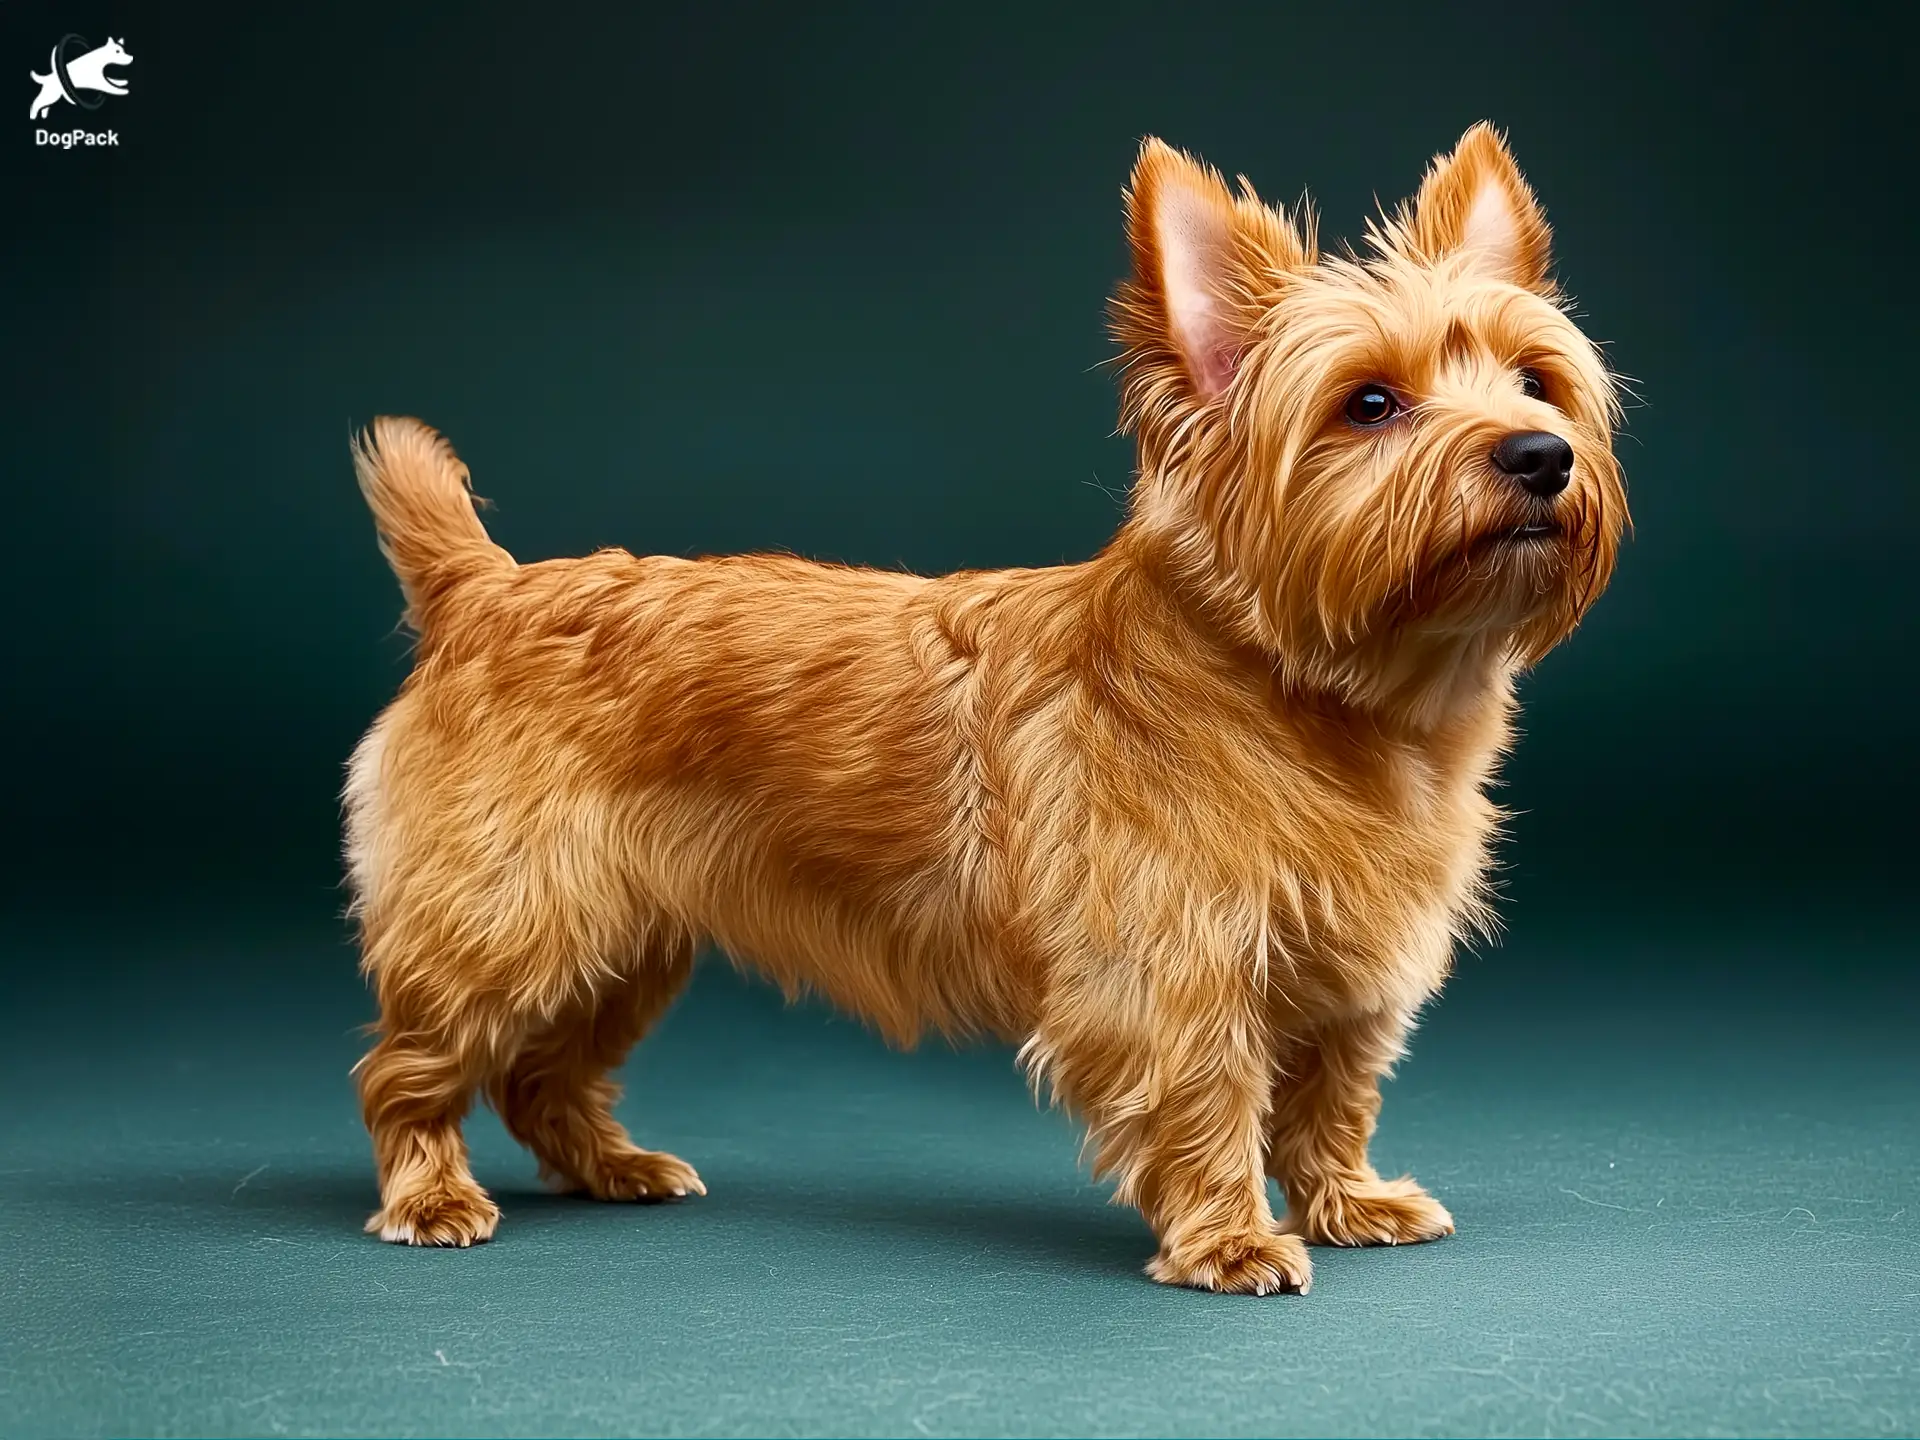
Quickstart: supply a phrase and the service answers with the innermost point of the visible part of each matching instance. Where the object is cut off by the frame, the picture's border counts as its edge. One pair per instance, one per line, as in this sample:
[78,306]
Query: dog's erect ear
[1205,264]
[1475,200]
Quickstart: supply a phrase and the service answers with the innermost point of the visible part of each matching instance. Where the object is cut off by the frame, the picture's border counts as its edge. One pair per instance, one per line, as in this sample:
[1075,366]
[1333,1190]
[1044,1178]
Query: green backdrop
[709,278]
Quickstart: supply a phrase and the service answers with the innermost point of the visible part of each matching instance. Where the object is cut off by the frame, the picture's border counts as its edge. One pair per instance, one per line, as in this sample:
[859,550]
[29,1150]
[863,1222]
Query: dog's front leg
[1172,1068]
[1325,1102]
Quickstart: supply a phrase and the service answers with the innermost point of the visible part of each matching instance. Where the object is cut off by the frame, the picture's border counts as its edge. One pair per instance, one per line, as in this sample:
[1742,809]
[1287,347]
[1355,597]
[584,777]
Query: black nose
[1540,461]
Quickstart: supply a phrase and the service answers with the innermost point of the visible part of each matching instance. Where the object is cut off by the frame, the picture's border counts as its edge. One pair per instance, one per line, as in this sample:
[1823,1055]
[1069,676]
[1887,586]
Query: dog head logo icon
[79,75]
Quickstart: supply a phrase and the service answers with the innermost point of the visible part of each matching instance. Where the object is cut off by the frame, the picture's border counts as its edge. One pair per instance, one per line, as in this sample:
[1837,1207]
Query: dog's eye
[1532,385]
[1372,405]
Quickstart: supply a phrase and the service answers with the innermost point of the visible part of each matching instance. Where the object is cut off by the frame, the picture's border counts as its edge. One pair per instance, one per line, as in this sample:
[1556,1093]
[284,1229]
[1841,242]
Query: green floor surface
[1688,1213]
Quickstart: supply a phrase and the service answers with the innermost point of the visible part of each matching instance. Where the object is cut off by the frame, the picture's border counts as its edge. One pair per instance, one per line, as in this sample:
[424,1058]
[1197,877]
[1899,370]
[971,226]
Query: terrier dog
[1197,823]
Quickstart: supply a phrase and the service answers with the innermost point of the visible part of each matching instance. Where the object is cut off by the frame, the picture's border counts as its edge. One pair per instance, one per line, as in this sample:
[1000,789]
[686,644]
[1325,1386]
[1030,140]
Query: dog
[1196,823]
[87,72]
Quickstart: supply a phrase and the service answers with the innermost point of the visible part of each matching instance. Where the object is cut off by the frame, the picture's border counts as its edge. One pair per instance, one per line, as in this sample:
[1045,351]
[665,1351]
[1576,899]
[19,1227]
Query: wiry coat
[1196,822]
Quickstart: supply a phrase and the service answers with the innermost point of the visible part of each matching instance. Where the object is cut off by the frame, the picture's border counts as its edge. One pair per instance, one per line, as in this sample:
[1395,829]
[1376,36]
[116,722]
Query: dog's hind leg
[557,1098]
[415,1086]
[457,1001]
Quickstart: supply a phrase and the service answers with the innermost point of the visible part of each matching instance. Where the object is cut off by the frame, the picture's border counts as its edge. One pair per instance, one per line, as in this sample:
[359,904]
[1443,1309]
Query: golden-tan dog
[1197,822]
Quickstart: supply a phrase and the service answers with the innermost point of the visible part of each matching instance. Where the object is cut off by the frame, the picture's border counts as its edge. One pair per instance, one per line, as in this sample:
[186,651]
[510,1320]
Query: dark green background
[831,279]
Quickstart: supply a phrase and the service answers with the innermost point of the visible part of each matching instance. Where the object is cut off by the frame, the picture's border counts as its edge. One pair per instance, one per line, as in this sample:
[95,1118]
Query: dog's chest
[1371,880]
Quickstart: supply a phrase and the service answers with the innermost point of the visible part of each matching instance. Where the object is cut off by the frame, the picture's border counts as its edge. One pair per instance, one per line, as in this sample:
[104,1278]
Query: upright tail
[418,491]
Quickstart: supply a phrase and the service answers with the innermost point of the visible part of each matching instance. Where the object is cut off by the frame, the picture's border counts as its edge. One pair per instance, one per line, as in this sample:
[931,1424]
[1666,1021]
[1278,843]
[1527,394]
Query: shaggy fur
[1197,823]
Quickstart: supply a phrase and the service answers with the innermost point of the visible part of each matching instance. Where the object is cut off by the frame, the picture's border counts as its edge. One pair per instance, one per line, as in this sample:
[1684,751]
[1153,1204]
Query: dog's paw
[649,1175]
[1264,1263]
[1386,1212]
[445,1216]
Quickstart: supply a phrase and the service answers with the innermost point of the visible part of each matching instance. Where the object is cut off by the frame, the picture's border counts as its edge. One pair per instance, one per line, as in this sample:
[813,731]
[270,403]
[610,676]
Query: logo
[78,76]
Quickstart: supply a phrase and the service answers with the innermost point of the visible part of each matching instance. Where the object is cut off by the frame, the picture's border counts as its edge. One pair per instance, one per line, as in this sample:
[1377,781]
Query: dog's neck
[1412,685]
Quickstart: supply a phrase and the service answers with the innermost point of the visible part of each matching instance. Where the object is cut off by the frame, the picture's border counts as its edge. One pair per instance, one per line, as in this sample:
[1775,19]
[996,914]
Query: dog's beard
[1407,592]
[1438,539]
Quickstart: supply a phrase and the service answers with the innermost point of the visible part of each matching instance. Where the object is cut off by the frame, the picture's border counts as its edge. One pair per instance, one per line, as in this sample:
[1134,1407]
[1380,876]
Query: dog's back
[595,758]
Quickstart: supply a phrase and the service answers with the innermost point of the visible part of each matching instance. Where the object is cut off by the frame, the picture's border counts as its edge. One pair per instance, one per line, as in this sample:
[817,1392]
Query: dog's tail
[418,491]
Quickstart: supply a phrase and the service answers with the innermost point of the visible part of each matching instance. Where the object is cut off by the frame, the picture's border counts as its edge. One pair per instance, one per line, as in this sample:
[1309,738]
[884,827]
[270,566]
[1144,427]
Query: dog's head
[1394,473]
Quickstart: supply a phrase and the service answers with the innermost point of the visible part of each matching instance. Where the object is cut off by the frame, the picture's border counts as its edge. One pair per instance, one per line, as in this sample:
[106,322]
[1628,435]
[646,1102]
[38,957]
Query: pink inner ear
[1196,245]
[1492,228]
[1214,366]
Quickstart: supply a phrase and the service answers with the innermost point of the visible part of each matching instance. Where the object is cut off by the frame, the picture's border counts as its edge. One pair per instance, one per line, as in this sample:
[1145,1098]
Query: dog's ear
[1476,200]
[1205,266]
